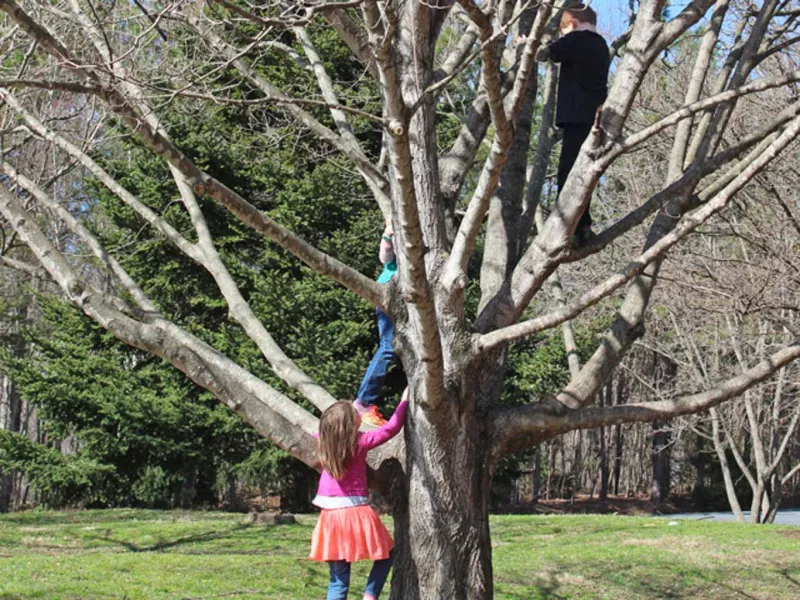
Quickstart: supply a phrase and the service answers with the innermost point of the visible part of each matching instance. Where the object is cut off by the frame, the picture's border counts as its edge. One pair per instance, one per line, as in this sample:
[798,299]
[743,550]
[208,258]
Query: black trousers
[574,136]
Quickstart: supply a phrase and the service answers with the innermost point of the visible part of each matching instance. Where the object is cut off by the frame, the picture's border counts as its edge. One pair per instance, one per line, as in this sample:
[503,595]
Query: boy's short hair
[581,13]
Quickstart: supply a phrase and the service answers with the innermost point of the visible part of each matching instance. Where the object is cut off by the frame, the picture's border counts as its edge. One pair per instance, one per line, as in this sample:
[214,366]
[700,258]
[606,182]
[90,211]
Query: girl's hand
[388,230]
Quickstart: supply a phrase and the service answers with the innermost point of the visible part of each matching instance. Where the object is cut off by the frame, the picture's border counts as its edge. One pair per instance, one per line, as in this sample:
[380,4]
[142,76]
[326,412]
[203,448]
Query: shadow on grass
[207,536]
[683,590]
[540,589]
[243,534]
[786,575]
[70,517]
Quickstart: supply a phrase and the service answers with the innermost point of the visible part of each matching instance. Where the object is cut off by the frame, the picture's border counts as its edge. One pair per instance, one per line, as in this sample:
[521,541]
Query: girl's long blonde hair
[338,436]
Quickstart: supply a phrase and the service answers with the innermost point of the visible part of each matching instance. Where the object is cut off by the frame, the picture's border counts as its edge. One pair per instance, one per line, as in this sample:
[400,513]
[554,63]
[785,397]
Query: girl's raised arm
[375,438]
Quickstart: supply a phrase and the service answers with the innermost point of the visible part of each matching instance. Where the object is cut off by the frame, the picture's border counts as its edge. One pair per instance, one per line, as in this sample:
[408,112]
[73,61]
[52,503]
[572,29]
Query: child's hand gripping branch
[348,529]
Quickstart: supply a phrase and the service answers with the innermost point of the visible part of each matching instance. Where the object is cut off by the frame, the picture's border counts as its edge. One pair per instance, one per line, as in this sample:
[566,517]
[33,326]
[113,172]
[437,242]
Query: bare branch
[66,86]
[348,146]
[298,13]
[552,243]
[688,180]
[491,340]
[84,234]
[355,39]
[526,426]
[34,271]
[455,268]
[790,474]
[204,183]
[759,85]
[202,253]
[271,413]
[209,258]
[412,269]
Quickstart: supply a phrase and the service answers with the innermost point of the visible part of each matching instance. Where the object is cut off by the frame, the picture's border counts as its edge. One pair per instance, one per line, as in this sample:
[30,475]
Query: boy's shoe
[370,414]
[582,237]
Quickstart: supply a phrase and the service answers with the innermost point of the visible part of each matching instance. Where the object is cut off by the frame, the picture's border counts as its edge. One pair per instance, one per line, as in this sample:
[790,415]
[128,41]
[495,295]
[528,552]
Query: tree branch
[202,253]
[349,146]
[494,339]
[269,412]
[690,177]
[522,427]
[790,474]
[84,234]
[412,269]
[209,258]
[18,265]
[354,38]
[455,268]
[759,85]
[551,244]
[66,86]
[202,182]
[298,13]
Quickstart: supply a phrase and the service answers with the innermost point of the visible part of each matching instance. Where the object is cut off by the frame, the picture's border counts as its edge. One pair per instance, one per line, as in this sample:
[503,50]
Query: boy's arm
[372,439]
[560,50]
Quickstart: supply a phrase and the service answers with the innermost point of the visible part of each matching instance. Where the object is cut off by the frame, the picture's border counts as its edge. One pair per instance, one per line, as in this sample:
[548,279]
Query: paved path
[784,517]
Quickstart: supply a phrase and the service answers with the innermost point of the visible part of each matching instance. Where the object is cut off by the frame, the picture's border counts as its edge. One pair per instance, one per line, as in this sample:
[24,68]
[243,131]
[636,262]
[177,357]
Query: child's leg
[377,577]
[339,580]
[574,136]
[371,385]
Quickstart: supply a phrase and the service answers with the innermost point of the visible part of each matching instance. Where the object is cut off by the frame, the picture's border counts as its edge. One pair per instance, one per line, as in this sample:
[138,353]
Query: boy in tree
[582,89]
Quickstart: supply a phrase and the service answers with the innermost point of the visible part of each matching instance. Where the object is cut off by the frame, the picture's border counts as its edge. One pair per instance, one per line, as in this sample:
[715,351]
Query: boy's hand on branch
[542,55]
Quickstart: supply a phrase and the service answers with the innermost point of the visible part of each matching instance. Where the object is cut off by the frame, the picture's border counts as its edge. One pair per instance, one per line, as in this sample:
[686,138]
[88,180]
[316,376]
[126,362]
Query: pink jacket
[354,482]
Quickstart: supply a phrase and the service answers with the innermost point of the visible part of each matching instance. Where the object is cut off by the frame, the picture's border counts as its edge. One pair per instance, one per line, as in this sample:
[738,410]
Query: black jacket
[582,82]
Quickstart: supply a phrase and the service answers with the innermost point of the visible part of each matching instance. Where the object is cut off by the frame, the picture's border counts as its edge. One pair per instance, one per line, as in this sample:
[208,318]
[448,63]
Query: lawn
[136,554]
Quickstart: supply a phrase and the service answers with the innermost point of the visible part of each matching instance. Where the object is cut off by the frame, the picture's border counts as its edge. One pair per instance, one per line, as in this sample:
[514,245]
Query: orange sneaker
[373,417]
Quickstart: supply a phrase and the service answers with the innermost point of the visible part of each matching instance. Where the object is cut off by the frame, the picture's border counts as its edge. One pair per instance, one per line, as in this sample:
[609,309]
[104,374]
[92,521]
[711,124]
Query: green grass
[137,554]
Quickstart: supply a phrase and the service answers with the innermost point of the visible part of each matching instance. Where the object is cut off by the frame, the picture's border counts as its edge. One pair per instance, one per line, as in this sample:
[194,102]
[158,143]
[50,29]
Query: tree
[124,61]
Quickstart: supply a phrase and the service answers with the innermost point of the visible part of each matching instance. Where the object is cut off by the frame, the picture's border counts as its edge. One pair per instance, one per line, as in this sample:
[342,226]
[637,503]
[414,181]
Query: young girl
[348,529]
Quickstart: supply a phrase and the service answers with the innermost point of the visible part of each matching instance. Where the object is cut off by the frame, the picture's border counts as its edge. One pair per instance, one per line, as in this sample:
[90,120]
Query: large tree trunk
[443,548]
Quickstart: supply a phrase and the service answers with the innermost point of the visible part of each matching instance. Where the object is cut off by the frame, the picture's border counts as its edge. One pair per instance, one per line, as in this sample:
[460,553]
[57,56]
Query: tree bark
[446,557]
[666,372]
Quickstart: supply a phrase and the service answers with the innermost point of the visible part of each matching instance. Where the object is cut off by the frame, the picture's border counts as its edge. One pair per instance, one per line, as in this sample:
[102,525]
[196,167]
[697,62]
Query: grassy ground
[136,554]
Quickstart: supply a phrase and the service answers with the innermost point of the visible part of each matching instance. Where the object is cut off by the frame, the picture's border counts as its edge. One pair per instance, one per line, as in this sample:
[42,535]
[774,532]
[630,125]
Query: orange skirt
[351,534]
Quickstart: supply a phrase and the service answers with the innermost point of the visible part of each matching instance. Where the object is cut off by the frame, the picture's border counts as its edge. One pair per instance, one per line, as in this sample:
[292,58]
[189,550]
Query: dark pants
[574,136]
[370,389]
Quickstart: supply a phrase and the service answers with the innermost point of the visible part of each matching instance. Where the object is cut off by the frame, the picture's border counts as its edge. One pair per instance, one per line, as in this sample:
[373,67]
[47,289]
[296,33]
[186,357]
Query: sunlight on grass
[138,554]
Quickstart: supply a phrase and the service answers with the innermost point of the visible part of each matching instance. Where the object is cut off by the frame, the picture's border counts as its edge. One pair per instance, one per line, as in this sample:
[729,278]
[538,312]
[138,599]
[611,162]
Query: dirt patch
[614,505]
[790,534]
[667,542]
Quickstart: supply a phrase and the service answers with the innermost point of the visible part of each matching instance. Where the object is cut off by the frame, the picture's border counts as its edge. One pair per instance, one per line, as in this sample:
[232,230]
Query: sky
[612,15]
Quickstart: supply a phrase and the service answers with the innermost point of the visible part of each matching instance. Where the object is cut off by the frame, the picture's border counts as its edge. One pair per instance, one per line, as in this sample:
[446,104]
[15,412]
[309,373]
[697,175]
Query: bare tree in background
[745,301]
[124,61]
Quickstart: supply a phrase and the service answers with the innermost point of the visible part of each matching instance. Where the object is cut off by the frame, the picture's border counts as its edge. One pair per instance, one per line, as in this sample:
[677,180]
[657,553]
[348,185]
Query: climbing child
[348,529]
[582,89]
[370,389]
